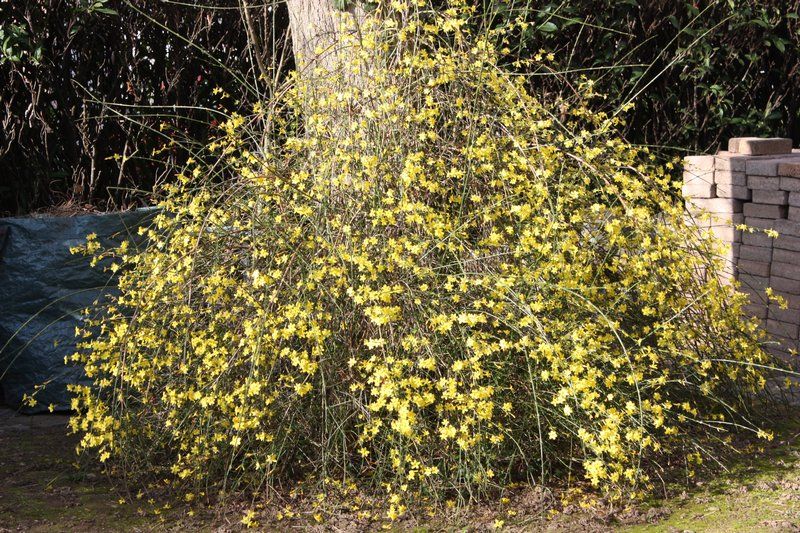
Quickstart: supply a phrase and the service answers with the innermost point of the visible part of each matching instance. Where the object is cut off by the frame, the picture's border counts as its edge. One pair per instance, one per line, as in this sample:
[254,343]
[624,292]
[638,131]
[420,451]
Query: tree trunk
[317,34]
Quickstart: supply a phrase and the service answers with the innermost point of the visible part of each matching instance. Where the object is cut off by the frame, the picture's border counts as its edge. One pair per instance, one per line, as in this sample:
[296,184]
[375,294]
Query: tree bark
[317,36]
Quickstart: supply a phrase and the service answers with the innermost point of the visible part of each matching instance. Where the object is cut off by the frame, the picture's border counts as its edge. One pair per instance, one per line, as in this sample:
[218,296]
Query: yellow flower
[303,388]
[248,520]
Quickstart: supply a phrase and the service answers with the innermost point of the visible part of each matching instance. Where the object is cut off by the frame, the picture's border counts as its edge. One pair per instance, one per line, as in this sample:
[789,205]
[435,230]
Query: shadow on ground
[44,489]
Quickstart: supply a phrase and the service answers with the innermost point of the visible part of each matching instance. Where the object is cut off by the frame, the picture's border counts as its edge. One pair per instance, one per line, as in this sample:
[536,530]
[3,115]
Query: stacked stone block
[756,182]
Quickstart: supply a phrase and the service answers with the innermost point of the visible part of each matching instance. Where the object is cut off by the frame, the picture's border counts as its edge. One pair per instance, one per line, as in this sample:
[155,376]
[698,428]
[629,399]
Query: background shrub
[101,99]
[699,73]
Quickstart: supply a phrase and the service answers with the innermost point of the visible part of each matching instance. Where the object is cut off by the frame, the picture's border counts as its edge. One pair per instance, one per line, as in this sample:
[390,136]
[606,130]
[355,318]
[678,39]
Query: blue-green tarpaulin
[43,289]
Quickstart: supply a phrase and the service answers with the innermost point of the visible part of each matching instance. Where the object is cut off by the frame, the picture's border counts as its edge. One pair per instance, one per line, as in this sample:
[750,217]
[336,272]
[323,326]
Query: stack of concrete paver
[756,182]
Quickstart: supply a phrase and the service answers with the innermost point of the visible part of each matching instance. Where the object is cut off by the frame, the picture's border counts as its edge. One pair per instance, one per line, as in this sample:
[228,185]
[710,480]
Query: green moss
[760,491]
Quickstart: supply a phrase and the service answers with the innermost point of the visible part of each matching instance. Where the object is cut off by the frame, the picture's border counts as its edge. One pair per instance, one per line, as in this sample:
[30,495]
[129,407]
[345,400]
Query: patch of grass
[760,491]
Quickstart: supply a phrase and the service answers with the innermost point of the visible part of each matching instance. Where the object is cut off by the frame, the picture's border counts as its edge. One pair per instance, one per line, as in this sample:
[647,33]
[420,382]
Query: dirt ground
[43,488]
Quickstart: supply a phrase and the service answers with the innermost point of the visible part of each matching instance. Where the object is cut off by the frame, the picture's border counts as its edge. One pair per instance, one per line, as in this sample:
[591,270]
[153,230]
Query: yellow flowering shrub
[428,282]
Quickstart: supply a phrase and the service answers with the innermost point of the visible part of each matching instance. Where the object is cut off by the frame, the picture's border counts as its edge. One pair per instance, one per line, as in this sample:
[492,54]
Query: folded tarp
[43,288]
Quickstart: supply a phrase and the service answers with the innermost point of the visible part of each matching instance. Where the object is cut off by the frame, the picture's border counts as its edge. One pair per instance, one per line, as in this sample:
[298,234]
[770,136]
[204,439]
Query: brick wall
[755,182]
